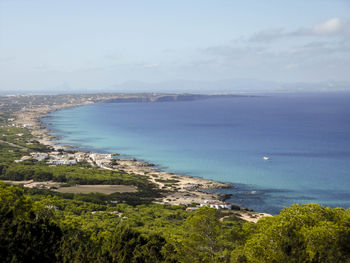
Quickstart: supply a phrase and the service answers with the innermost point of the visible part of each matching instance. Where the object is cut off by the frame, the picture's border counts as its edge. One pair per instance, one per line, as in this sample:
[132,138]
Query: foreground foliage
[301,233]
[49,228]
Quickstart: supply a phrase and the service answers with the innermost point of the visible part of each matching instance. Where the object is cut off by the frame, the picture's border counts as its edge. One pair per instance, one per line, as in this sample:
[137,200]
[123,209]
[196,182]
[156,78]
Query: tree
[301,233]
[124,245]
[25,236]
[200,241]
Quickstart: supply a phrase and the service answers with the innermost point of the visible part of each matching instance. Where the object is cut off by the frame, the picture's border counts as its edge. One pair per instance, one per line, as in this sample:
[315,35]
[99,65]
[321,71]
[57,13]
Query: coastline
[180,189]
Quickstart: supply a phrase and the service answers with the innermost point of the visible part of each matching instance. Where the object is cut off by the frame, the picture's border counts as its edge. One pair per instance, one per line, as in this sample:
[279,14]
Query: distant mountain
[228,86]
[231,86]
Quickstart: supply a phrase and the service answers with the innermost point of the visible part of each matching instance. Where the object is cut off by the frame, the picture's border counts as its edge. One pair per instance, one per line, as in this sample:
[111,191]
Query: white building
[217,205]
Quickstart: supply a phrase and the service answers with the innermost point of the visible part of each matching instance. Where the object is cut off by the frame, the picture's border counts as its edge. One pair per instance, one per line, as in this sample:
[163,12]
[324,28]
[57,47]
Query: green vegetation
[52,229]
[75,174]
[81,174]
[37,227]
[26,234]
[96,227]
[8,154]
[40,225]
[301,233]
[21,137]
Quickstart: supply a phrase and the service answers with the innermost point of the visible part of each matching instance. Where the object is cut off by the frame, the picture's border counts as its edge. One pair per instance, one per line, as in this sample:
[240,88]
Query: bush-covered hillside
[37,227]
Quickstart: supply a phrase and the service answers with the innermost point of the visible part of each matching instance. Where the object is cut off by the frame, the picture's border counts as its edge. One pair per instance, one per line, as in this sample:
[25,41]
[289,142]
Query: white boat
[266,158]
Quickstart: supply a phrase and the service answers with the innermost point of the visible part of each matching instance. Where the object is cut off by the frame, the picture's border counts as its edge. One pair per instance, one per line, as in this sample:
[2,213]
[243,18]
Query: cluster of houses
[57,158]
[101,160]
[63,158]
[217,205]
[24,125]
[39,156]
[211,205]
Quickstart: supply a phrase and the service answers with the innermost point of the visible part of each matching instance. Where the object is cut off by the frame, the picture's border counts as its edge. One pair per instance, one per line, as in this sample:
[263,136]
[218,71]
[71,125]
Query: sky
[65,45]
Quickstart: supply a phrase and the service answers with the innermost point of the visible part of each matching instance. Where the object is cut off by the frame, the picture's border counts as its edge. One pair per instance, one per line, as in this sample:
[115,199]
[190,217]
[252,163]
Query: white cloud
[331,26]
[268,35]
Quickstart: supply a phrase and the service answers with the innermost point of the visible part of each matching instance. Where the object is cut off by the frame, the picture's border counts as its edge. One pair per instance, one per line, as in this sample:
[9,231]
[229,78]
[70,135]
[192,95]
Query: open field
[104,189]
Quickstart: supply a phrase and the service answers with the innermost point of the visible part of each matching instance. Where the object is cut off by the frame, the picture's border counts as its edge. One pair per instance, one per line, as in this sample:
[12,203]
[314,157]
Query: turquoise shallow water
[307,138]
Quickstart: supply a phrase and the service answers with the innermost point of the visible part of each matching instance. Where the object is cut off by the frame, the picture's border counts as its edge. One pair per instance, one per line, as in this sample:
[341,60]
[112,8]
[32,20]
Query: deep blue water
[307,138]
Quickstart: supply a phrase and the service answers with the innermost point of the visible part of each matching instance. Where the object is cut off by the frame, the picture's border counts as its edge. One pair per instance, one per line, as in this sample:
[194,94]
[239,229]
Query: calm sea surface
[307,138]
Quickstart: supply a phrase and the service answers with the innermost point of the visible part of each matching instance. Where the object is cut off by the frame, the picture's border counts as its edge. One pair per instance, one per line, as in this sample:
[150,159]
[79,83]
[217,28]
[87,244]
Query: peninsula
[25,112]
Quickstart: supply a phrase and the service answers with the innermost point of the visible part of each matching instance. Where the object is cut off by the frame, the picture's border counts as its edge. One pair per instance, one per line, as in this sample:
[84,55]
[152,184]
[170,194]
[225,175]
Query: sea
[305,137]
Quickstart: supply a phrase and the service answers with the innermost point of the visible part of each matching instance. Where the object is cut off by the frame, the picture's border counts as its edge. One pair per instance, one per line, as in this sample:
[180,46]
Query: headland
[177,189]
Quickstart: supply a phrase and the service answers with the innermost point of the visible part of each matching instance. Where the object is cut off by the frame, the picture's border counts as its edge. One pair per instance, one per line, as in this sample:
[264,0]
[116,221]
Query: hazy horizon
[225,86]
[90,46]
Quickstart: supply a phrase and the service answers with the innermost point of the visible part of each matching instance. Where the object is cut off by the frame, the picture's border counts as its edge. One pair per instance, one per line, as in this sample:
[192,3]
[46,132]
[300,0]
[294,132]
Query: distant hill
[228,86]
[246,86]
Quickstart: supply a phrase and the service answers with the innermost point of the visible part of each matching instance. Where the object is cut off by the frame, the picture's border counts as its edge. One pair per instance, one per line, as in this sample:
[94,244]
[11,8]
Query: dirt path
[15,145]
